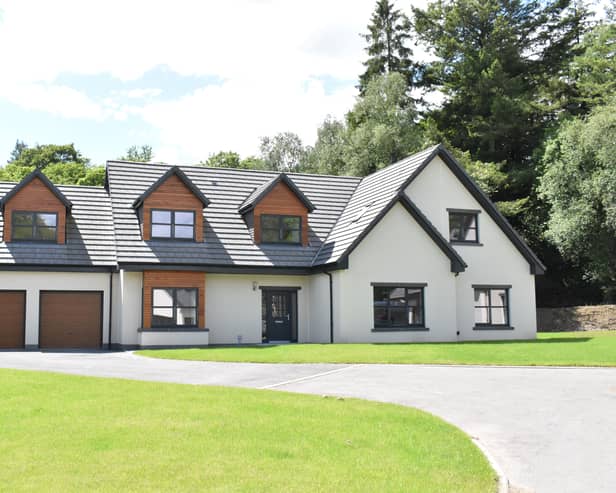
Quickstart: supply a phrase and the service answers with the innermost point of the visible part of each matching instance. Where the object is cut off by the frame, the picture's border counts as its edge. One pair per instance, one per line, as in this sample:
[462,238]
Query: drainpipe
[331,306]
[110,307]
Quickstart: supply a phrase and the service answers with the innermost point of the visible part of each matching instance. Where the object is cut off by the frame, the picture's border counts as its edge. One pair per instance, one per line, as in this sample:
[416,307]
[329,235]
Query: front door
[278,315]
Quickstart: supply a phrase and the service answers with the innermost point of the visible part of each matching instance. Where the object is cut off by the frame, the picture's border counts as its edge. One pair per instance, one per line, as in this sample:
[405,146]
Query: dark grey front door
[278,315]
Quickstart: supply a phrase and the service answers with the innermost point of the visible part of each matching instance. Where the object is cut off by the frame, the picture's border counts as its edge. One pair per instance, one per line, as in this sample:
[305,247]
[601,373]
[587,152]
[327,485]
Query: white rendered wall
[34,282]
[233,306]
[497,261]
[397,250]
[149,338]
[319,309]
[127,308]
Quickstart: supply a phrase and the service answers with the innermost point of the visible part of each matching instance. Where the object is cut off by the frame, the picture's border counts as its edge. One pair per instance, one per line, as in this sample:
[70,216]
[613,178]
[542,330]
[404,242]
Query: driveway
[550,429]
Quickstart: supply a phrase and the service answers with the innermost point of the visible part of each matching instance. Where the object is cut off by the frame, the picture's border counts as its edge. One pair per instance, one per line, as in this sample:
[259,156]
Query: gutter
[331,306]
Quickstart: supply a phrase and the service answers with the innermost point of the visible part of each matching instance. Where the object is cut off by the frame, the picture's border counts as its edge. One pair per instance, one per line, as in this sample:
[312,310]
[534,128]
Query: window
[281,229]
[398,306]
[463,227]
[491,306]
[34,226]
[174,307]
[177,225]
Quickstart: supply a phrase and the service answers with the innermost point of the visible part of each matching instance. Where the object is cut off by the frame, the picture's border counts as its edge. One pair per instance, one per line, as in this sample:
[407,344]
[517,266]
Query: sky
[189,78]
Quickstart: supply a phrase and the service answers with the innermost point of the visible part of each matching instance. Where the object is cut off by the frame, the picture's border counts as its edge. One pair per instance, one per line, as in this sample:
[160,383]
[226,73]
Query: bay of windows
[34,226]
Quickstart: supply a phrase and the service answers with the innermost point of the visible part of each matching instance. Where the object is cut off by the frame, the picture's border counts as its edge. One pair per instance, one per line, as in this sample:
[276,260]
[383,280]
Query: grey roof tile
[89,233]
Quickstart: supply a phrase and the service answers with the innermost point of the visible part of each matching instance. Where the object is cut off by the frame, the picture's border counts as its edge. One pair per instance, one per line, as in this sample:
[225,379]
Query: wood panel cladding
[281,201]
[172,195]
[172,279]
[35,197]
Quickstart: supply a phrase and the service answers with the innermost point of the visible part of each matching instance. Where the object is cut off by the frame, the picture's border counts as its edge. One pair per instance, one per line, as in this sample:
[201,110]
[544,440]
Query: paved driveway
[550,429]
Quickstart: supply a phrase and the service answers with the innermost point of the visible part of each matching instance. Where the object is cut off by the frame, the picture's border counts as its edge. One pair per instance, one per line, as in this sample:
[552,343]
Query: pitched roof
[228,240]
[373,195]
[89,234]
[377,192]
[37,173]
[174,170]
[260,192]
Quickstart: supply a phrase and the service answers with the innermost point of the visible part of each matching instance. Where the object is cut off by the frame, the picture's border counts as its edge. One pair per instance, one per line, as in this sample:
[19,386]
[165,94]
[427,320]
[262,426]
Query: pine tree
[389,32]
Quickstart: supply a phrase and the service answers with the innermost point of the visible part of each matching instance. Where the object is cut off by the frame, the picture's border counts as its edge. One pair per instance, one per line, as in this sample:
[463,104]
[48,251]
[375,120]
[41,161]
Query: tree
[230,159]
[381,126]
[594,69]
[491,60]
[139,154]
[62,164]
[579,184]
[41,156]
[20,145]
[387,37]
[327,155]
[283,152]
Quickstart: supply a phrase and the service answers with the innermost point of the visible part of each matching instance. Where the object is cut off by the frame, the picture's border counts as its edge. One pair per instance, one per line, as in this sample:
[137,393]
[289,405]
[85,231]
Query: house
[190,256]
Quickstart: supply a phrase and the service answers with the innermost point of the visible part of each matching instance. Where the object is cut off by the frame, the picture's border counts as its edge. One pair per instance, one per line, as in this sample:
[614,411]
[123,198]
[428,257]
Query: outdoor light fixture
[254,285]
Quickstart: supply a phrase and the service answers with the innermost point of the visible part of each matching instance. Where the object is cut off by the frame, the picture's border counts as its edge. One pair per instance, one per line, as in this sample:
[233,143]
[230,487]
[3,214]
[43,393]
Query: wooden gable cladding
[35,196]
[281,200]
[172,195]
[172,279]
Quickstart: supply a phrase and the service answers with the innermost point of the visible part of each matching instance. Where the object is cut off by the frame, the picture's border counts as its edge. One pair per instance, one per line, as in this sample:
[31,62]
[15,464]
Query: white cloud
[269,53]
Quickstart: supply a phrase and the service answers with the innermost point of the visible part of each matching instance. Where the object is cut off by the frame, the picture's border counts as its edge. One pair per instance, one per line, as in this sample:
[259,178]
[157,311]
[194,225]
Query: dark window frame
[382,327]
[33,227]
[280,218]
[172,225]
[174,308]
[464,212]
[490,324]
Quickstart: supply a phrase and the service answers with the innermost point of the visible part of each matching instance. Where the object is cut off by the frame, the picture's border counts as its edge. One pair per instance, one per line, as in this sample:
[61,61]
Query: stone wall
[573,318]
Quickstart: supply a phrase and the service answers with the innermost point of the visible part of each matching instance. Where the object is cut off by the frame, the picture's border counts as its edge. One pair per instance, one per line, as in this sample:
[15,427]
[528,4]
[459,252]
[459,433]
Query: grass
[553,349]
[68,433]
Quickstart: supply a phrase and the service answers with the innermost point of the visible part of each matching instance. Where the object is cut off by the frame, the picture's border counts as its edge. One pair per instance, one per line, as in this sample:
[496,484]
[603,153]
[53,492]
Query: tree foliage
[283,152]
[388,51]
[62,164]
[579,184]
[491,59]
[230,159]
[139,154]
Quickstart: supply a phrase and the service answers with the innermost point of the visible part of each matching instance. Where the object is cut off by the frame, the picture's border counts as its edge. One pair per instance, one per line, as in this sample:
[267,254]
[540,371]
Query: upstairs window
[463,227]
[173,225]
[491,306]
[281,229]
[174,307]
[398,306]
[34,226]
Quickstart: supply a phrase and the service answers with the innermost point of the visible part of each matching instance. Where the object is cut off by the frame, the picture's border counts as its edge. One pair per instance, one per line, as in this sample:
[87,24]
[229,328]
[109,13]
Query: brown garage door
[71,319]
[12,319]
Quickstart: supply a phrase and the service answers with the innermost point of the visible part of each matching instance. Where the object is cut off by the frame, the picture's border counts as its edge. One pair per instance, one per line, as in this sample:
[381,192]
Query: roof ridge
[241,170]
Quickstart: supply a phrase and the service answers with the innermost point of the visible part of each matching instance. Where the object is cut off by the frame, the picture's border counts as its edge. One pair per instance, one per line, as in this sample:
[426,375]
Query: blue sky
[188,78]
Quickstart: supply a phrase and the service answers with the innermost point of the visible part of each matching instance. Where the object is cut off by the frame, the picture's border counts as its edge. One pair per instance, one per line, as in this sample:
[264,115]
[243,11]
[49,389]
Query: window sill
[465,243]
[172,329]
[400,329]
[492,327]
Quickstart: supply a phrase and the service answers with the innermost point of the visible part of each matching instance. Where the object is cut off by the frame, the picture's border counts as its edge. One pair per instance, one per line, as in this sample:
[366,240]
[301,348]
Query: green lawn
[68,433]
[554,349]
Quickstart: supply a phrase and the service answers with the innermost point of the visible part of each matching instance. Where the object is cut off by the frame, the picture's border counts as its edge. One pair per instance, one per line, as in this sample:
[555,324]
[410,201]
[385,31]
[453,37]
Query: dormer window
[281,229]
[173,225]
[34,226]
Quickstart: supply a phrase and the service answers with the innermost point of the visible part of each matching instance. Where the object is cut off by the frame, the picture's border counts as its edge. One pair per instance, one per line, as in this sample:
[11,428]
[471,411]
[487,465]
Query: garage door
[12,319]
[71,319]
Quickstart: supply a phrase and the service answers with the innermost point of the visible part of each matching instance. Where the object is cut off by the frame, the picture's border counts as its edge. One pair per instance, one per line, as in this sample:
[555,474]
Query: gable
[34,196]
[172,194]
[442,184]
[280,200]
